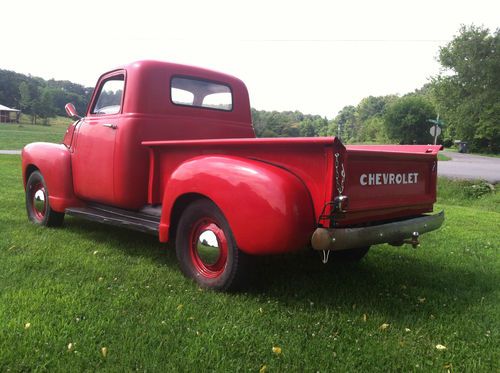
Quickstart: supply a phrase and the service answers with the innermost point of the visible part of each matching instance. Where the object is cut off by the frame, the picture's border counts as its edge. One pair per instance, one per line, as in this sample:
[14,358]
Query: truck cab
[148,101]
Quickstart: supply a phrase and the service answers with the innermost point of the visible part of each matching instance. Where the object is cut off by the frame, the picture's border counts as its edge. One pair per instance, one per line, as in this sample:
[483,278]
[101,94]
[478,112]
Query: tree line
[39,98]
[466,96]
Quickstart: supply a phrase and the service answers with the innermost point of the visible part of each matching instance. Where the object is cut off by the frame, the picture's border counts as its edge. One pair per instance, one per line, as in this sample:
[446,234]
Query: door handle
[109,125]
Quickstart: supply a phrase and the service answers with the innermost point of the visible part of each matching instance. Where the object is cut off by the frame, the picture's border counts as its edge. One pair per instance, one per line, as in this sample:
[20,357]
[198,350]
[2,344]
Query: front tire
[206,248]
[37,203]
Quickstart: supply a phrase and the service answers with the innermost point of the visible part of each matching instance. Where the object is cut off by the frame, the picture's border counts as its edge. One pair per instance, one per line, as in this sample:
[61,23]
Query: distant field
[89,297]
[14,136]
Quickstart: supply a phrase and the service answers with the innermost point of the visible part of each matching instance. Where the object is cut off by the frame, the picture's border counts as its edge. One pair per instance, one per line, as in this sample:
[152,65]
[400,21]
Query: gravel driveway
[470,167]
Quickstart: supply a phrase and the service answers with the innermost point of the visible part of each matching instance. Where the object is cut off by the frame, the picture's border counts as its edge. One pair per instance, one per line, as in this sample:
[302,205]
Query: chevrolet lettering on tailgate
[388,178]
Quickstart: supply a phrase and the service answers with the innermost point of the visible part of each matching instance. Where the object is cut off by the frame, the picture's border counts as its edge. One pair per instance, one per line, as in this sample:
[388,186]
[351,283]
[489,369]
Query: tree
[346,122]
[373,106]
[406,120]
[25,101]
[467,93]
[45,105]
[29,101]
[288,124]
[369,114]
[373,130]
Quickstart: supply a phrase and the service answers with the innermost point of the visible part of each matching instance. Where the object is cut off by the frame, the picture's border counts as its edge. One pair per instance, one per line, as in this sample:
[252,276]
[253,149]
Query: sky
[313,56]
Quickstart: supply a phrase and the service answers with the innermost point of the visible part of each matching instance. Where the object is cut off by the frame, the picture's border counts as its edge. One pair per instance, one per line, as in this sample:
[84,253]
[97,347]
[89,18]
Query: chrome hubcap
[208,248]
[39,201]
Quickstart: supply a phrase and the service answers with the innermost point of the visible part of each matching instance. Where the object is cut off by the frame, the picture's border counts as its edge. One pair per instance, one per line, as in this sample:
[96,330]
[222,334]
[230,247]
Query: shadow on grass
[387,281]
[390,282]
[130,242]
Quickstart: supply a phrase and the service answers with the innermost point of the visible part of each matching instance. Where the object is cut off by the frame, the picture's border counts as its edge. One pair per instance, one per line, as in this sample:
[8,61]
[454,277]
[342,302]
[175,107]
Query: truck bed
[400,180]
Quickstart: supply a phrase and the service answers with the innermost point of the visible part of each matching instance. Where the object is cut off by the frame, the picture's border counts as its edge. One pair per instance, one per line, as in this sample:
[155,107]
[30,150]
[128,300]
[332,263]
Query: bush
[407,120]
[466,192]
[447,142]
[479,189]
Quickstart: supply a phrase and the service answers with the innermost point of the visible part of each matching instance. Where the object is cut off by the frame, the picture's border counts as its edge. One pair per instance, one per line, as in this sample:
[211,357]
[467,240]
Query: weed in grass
[479,189]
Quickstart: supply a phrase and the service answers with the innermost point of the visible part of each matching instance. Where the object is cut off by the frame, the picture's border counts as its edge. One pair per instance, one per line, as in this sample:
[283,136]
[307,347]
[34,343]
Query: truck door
[94,148]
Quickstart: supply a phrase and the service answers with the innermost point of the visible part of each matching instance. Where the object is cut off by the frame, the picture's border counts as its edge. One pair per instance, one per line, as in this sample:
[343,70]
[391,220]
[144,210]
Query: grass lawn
[91,297]
[14,136]
[442,157]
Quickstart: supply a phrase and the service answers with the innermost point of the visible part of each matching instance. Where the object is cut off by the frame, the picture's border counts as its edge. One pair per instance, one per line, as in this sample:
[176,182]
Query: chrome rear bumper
[395,233]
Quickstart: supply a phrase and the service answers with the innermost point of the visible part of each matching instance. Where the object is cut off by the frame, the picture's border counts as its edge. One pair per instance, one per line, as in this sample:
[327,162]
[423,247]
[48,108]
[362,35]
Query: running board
[120,218]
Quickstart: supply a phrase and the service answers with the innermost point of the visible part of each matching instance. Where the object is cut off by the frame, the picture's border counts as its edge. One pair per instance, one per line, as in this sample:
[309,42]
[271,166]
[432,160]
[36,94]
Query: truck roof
[148,90]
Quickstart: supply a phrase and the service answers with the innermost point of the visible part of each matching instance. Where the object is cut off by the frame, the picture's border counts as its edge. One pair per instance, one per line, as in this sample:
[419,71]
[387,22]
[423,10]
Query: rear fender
[54,162]
[268,208]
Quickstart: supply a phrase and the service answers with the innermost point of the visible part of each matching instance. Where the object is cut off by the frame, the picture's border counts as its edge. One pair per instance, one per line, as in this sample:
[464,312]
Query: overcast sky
[313,56]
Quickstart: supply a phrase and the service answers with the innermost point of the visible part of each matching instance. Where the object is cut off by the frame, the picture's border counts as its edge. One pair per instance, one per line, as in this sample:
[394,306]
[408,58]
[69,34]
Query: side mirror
[71,111]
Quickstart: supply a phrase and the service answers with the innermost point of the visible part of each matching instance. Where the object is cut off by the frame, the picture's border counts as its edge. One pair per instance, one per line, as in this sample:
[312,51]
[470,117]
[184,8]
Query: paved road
[461,166]
[471,167]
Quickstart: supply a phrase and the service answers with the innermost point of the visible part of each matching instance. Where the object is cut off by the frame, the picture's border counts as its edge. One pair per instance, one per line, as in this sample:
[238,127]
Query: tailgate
[387,182]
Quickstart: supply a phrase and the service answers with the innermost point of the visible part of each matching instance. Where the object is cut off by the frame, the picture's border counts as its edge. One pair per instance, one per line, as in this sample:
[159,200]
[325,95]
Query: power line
[346,40]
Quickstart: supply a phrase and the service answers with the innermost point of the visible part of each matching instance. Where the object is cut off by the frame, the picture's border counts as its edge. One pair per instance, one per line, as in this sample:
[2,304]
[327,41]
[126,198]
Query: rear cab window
[188,91]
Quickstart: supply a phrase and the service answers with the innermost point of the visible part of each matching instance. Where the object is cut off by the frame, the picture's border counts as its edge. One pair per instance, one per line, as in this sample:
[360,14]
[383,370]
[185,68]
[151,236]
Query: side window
[109,99]
[201,93]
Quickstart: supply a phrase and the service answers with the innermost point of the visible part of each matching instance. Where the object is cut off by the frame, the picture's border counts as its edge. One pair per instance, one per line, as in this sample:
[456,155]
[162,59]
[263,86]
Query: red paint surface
[54,162]
[272,191]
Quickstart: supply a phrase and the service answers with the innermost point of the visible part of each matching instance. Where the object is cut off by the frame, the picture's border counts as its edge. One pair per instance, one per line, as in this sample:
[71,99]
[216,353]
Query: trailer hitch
[413,241]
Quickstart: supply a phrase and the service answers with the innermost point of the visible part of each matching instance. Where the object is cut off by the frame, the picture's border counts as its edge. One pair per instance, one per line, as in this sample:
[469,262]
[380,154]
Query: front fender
[54,162]
[268,208]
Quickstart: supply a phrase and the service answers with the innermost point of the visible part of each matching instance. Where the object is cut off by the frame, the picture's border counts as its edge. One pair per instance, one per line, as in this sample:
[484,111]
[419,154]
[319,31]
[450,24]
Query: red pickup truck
[170,150]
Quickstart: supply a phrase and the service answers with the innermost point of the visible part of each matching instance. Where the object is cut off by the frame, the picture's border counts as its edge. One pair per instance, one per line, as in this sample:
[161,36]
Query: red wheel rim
[38,198]
[208,248]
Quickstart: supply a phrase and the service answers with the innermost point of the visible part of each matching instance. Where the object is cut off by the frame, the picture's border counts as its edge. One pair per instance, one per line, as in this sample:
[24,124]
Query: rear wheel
[351,255]
[206,248]
[37,202]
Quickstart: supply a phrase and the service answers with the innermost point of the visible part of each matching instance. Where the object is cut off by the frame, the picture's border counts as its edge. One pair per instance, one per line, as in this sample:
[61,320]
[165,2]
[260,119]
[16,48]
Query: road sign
[435,131]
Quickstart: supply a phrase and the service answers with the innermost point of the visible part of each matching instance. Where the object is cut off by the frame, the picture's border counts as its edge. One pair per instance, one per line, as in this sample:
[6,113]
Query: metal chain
[339,174]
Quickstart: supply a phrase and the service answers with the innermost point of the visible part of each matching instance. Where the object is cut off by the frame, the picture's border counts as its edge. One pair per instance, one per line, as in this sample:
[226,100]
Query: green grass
[14,136]
[442,157]
[474,194]
[95,286]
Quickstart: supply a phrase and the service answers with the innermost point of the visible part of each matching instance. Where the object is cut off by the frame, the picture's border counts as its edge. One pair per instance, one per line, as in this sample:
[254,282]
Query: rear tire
[351,255]
[206,248]
[37,203]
